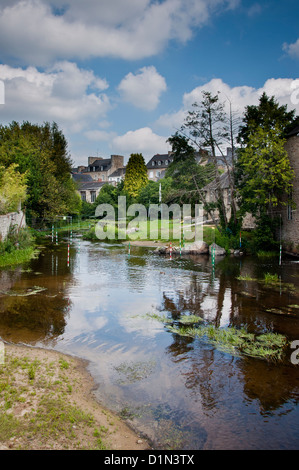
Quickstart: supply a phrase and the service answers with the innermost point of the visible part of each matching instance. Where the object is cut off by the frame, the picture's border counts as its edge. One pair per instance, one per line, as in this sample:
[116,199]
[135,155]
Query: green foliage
[150,193]
[18,247]
[266,171]
[136,175]
[187,176]
[12,188]
[264,234]
[16,239]
[41,153]
[266,115]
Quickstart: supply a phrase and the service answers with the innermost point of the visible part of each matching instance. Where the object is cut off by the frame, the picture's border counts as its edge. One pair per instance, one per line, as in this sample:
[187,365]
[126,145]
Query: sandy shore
[65,377]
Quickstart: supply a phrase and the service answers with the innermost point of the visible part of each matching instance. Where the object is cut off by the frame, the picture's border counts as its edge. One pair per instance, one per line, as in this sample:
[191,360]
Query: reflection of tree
[38,316]
[136,264]
[29,314]
[207,371]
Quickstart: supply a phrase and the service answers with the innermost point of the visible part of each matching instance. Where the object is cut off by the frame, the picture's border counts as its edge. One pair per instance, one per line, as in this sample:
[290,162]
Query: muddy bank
[47,402]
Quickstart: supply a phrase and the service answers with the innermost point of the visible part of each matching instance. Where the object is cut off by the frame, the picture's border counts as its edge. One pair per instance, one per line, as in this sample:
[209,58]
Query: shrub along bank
[18,247]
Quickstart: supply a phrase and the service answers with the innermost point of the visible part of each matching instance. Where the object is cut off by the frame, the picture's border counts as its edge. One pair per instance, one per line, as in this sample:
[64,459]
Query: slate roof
[118,172]
[153,163]
[224,183]
[105,163]
[91,185]
[81,177]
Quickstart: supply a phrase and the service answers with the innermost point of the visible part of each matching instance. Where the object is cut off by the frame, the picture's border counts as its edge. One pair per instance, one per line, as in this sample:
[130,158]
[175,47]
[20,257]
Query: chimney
[117,161]
[92,159]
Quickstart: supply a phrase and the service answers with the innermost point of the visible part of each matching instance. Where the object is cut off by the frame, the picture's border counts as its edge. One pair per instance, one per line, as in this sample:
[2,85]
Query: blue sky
[118,76]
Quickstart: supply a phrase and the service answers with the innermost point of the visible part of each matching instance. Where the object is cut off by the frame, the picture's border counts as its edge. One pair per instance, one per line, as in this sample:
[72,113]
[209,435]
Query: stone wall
[11,219]
[290,218]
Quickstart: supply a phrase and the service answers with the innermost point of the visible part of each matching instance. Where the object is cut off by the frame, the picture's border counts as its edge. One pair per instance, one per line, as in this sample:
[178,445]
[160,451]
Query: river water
[181,392]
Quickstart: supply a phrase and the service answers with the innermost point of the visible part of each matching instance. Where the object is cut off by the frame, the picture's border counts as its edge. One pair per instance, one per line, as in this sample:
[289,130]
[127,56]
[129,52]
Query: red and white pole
[68,255]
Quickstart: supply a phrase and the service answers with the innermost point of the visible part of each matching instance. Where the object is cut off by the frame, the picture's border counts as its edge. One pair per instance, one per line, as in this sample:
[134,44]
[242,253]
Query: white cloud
[283,89]
[33,31]
[144,89]
[292,49]
[254,10]
[65,94]
[143,141]
[99,136]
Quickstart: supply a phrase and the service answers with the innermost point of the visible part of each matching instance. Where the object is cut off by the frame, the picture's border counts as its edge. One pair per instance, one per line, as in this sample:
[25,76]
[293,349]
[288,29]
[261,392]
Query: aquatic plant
[235,341]
[266,254]
[271,278]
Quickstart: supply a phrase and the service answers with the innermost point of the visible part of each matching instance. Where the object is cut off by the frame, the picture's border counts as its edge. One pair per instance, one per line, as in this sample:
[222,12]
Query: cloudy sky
[119,75]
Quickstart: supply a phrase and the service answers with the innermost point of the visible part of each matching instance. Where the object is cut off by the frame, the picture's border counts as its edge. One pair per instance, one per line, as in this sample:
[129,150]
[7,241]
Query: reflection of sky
[110,296]
[111,293]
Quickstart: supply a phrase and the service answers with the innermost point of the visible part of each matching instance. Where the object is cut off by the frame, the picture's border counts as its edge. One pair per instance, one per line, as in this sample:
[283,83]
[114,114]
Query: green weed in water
[269,346]
[271,278]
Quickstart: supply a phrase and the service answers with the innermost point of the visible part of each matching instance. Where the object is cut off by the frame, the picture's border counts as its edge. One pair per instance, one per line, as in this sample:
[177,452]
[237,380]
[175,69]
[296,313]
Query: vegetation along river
[149,327]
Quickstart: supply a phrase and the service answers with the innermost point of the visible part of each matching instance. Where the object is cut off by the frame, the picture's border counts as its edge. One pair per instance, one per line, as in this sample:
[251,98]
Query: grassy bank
[17,257]
[19,247]
[46,403]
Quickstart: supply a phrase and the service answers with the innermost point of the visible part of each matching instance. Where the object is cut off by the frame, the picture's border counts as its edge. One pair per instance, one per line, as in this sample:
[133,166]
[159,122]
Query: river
[183,393]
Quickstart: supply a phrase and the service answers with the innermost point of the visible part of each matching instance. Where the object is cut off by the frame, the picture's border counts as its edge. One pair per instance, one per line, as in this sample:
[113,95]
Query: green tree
[266,170]
[12,188]
[268,114]
[150,194]
[41,153]
[136,175]
[209,127]
[263,174]
[266,177]
[187,176]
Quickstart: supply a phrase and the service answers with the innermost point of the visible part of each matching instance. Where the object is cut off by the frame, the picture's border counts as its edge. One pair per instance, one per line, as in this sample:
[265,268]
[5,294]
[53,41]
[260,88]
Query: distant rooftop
[161,161]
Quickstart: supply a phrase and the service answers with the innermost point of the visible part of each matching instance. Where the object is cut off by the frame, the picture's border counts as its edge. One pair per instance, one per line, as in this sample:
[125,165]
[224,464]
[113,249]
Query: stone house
[210,191]
[290,215]
[117,176]
[157,166]
[211,197]
[101,168]
[87,187]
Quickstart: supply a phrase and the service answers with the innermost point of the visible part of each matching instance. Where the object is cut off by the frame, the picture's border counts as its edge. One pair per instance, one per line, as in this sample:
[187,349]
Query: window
[289,207]
[159,162]
[153,163]
[290,212]
[93,196]
[166,162]
[151,175]
[83,195]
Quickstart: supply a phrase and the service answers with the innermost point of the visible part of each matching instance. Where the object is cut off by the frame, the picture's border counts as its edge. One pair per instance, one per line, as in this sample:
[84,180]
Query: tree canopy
[40,151]
[13,188]
[136,175]
[266,172]
[268,114]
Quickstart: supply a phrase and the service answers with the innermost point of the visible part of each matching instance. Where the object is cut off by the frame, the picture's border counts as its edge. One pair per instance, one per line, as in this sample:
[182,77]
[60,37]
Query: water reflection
[181,391]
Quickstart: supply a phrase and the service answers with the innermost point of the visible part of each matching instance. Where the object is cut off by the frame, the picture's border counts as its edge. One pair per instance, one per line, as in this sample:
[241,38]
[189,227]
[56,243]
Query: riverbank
[47,403]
